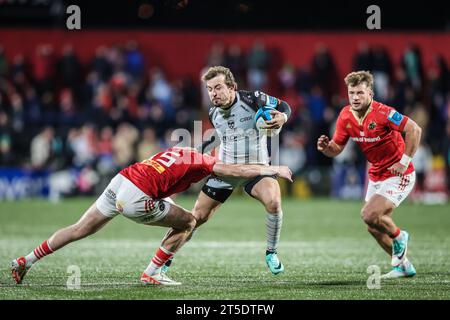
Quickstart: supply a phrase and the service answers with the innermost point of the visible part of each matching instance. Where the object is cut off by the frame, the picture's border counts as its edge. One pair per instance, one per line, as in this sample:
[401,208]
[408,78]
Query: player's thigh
[267,190]
[204,207]
[92,220]
[177,218]
[377,205]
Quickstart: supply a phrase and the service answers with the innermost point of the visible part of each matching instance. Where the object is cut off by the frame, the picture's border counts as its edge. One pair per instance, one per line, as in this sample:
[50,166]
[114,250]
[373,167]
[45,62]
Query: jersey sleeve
[199,162]
[395,120]
[341,135]
[208,163]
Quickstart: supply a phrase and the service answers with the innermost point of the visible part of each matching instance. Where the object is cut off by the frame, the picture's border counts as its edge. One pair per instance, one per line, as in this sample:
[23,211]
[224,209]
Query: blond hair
[218,70]
[357,77]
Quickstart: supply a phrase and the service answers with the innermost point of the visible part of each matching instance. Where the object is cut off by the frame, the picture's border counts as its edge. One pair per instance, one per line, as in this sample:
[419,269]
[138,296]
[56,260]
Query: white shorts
[395,189]
[121,196]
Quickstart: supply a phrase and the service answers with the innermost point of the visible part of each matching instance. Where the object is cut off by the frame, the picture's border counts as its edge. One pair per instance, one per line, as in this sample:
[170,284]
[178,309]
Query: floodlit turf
[324,246]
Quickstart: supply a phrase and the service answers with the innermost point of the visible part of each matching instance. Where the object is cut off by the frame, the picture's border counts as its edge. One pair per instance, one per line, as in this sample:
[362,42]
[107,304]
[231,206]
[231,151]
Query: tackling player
[139,192]
[232,116]
[377,129]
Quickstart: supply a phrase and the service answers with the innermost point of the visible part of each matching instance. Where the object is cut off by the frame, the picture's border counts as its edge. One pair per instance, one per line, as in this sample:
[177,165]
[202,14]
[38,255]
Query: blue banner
[20,183]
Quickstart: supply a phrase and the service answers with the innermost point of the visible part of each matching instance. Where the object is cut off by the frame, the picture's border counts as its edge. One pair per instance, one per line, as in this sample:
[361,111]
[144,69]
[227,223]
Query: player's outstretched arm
[327,147]
[251,171]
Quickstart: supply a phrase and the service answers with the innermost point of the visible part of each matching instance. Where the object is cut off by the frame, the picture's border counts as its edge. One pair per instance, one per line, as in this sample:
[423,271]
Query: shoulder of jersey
[211,113]
[381,108]
[249,97]
[345,111]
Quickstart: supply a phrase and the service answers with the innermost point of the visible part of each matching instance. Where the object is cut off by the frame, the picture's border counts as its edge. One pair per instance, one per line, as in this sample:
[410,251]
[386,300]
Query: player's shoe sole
[19,269]
[274,264]
[402,249]
[158,279]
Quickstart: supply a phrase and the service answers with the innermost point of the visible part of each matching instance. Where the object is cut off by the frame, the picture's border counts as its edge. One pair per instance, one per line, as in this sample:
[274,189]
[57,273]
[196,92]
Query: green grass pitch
[324,245]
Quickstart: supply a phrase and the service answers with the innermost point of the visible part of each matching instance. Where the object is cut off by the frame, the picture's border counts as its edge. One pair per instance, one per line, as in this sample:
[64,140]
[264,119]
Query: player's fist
[285,173]
[278,119]
[322,143]
[398,169]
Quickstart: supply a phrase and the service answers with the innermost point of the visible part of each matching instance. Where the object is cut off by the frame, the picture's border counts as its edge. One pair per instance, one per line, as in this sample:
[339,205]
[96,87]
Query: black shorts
[220,189]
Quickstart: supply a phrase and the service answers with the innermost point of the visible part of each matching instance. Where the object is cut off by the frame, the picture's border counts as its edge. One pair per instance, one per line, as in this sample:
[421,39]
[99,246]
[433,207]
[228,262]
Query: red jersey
[169,172]
[378,134]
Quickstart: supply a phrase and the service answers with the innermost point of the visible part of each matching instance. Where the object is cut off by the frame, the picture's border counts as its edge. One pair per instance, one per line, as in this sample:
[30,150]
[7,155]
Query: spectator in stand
[258,66]
[124,143]
[6,154]
[382,70]
[3,63]
[134,58]
[101,64]
[69,68]
[148,144]
[412,65]
[44,67]
[363,58]
[324,70]
[235,61]
[41,148]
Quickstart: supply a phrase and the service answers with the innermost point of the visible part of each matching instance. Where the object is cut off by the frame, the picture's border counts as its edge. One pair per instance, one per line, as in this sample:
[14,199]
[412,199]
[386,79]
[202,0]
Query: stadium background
[76,106]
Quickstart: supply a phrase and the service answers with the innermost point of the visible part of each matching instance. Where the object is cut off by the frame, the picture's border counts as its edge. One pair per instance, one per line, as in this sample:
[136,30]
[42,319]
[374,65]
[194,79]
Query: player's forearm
[243,171]
[412,140]
[285,108]
[332,150]
[251,171]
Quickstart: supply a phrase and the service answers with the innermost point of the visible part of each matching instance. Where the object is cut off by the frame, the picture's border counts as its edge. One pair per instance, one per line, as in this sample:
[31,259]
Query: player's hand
[285,173]
[322,143]
[398,169]
[278,119]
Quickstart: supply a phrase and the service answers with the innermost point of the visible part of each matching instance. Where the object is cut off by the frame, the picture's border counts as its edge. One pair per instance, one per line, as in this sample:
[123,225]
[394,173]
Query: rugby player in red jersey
[377,129]
[140,192]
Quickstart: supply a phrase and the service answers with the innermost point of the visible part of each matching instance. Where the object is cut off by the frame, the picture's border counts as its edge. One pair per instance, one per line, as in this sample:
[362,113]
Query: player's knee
[200,216]
[370,216]
[273,206]
[190,223]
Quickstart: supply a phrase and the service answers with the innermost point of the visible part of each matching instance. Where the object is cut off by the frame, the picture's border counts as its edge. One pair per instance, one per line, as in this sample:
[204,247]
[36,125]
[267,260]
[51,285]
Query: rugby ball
[261,116]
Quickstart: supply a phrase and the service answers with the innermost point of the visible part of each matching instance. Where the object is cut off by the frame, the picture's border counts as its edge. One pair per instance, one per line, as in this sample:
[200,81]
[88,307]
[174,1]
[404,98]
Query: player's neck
[360,115]
[233,100]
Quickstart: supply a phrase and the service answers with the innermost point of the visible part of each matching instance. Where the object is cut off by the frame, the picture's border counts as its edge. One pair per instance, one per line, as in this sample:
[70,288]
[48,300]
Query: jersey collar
[236,100]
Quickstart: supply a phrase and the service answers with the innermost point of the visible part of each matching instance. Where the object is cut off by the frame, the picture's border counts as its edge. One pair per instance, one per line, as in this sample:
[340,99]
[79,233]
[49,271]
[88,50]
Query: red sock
[396,233]
[43,250]
[161,256]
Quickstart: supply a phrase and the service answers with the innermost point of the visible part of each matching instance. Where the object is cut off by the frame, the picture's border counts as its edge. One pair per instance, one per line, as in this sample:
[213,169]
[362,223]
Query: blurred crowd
[59,114]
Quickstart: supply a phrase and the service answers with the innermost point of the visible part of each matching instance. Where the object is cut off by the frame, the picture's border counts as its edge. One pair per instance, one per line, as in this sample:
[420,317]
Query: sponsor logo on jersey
[365,139]
[161,206]
[361,133]
[395,117]
[273,102]
[155,165]
[348,126]
[246,119]
[372,125]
